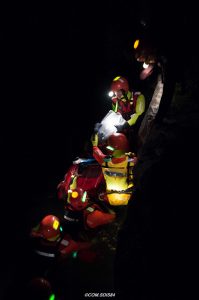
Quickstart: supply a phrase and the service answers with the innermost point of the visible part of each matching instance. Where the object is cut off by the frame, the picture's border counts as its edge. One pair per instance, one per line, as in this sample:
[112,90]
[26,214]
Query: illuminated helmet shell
[49,227]
[119,83]
[118,141]
[78,199]
[146,52]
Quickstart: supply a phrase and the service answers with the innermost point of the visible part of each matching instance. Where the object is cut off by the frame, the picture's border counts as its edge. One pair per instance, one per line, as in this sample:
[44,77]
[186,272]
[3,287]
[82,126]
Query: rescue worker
[131,105]
[89,177]
[158,72]
[117,168]
[79,210]
[50,241]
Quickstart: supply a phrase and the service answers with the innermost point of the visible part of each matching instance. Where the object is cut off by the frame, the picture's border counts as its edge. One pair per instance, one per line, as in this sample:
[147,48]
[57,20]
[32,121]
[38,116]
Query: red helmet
[49,228]
[78,198]
[145,52]
[119,83]
[39,288]
[118,141]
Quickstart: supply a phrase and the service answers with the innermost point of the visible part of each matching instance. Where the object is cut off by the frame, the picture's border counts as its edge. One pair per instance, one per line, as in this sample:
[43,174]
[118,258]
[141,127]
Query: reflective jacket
[118,175]
[130,107]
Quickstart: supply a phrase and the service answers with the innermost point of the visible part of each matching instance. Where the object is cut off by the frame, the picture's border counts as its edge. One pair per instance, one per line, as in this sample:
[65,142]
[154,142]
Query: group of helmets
[50,228]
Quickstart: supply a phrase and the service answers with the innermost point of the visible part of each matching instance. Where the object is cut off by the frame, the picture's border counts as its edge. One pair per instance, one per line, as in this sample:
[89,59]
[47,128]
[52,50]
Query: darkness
[57,62]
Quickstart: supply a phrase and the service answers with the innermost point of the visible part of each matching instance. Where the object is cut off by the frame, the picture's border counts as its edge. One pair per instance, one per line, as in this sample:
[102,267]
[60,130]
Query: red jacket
[126,108]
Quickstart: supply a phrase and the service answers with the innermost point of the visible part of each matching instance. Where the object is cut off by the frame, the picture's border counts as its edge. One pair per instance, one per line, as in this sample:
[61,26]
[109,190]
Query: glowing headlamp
[145,65]
[111,94]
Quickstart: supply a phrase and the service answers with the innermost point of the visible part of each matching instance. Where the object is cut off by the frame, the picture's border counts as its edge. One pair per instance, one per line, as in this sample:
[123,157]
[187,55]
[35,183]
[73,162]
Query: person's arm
[97,153]
[139,109]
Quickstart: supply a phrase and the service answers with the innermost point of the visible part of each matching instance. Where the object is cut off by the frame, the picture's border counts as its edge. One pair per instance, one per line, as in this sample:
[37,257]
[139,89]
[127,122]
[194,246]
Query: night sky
[57,63]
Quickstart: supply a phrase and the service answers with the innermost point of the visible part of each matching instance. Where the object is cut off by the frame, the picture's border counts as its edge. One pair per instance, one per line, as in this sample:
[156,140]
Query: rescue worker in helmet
[80,210]
[49,239]
[131,105]
[160,76]
[117,168]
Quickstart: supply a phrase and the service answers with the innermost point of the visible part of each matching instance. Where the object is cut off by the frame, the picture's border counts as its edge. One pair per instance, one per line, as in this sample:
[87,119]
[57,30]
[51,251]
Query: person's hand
[94,139]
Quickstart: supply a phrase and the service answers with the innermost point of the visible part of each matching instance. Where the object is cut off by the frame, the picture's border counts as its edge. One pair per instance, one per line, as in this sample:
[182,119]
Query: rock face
[156,251]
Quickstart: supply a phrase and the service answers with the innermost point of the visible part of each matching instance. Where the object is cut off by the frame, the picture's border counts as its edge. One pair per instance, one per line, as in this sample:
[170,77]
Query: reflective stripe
[118,174]
[70,219]
[45,254]
[64,242]
[127,191]
[90,209]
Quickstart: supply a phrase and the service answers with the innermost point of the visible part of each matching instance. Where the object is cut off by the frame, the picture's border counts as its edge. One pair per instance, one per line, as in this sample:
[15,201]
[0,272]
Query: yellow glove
[94,139]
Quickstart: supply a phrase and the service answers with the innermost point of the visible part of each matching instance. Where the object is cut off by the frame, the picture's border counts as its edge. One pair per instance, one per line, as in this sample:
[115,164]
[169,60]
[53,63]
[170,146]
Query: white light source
[145,66]
[110,94]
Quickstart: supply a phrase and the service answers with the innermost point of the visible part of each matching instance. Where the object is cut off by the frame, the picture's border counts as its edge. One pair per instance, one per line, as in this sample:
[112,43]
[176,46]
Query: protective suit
[117,168]
[129,104]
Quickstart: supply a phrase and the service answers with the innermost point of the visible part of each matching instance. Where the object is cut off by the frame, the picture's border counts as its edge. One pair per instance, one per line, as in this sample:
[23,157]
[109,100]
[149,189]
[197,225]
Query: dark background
[57,63]
[57,66]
